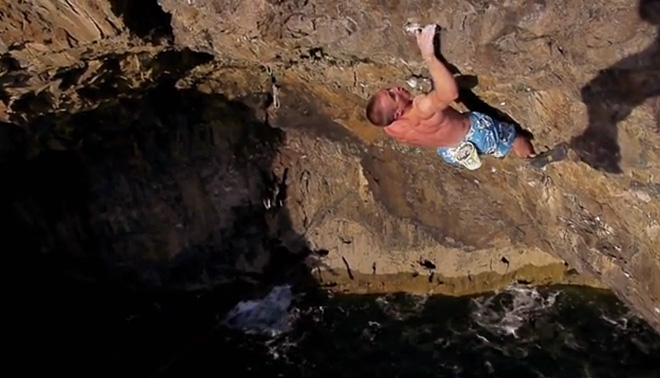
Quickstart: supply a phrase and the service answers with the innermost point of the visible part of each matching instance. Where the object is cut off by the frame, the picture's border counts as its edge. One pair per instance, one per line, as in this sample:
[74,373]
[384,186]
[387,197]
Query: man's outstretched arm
[445,87]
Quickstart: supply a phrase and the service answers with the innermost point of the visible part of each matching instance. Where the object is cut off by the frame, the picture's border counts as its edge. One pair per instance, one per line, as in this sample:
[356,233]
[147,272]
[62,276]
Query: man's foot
[555,154]
[522,147]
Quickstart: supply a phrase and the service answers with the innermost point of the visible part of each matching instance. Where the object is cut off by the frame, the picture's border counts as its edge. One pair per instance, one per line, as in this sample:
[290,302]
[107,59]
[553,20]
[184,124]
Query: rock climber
[429,120]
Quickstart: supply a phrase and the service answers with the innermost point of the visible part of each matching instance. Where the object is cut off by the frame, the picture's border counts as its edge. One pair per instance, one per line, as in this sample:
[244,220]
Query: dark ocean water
[519,332]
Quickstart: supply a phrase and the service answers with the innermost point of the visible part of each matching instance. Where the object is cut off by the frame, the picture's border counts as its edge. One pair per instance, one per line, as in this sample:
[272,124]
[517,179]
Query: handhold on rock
[412,28]
[412,83]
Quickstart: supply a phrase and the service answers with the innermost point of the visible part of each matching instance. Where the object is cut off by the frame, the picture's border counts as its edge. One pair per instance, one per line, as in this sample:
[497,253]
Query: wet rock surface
[169,161]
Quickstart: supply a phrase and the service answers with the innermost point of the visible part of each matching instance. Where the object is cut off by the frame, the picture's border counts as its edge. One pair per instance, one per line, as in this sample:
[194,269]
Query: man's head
[388,105]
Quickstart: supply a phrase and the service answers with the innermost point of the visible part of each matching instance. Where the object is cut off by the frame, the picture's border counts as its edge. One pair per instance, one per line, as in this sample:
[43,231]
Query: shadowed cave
[139,221]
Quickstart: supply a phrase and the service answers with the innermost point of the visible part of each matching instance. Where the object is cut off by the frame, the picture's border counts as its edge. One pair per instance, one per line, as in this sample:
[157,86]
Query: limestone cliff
[168,155]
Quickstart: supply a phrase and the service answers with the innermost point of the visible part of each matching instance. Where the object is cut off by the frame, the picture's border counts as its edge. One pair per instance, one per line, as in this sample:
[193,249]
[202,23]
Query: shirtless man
[429,120]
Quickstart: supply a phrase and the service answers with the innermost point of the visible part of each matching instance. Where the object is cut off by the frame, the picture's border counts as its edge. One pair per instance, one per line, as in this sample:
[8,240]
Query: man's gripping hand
[425,41]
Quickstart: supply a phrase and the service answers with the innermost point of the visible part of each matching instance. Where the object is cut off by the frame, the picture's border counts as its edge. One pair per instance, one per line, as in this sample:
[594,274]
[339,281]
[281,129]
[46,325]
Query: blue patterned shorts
[489,136]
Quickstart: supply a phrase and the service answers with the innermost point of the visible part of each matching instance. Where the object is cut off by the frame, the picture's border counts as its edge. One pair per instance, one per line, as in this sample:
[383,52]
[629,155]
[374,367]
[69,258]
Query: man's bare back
[444,128]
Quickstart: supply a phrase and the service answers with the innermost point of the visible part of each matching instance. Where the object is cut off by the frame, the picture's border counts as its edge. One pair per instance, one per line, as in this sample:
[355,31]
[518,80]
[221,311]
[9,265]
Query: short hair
[376,114]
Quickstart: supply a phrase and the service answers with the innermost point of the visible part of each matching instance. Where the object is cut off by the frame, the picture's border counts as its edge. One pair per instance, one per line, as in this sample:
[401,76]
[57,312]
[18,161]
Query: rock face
[284,160]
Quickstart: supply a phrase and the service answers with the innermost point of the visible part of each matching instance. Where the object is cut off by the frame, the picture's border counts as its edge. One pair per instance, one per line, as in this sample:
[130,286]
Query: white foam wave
[270,316]
[505,312]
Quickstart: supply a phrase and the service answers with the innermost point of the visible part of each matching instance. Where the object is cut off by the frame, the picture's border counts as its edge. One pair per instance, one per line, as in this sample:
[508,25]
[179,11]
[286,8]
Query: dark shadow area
[109,82]
[11,74]
[133,226]
[8,64]
[144,18]
[612,95]
[470,99]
